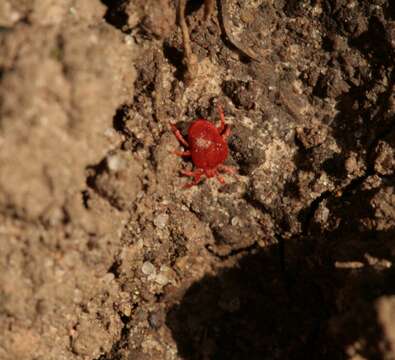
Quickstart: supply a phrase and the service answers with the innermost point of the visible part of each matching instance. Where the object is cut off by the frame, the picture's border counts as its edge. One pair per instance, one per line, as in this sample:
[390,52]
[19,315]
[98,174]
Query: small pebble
[162,279]
[148,268]
[109,133]
[324,214]
[155,320]
[108,278]
[114,163]
[77,298]
[128,40]
[161,221]
[235,221]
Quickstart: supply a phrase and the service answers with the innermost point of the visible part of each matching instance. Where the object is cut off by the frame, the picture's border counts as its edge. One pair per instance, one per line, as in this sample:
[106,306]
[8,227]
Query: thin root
[190,58]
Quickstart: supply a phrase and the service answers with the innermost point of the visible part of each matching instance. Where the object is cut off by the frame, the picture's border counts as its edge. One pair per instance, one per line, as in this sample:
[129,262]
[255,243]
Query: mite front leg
[182,153]
[226,133]
[220,179]
[223,128]
[178,135]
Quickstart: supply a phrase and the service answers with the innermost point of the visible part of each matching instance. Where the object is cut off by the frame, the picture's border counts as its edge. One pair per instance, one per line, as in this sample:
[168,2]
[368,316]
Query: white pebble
[114,163]
[162,279]
[128,40]
[235,221]
[108,278]
[109,133]
[324,214]
[148,268]
[161,221]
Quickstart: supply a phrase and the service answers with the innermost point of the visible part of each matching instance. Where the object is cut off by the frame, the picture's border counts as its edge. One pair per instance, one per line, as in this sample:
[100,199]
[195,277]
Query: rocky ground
[105,256]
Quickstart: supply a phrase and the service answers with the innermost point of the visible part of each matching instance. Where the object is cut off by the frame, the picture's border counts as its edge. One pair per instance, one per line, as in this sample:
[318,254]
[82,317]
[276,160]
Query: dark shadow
[116,14]
[378,51]
[304,308]
[175,57]
[251,311]
[389,11]
[193,6]
[118,121]
[335,166]
[93,171]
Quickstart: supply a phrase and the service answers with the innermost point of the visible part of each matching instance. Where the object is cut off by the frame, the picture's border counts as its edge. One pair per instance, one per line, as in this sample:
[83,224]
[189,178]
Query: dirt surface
[103,254]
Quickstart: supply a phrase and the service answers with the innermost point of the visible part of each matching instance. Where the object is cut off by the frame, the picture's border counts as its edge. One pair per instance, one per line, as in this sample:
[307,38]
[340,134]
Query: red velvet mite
[207,147]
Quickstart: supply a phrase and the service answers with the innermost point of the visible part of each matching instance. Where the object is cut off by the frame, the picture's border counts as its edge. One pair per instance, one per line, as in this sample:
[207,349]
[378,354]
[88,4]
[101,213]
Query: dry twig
[190,59]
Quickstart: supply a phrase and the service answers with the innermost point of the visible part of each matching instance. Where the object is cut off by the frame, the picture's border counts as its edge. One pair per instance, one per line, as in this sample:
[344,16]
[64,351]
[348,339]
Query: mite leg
[227,169]
[182,153]
[226,133]
[197,175]
[220,179]
[196,181]
[178,135]
[188,173]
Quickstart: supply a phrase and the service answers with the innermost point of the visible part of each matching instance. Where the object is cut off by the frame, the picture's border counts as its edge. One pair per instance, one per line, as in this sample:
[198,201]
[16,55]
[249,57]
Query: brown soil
[103,254]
